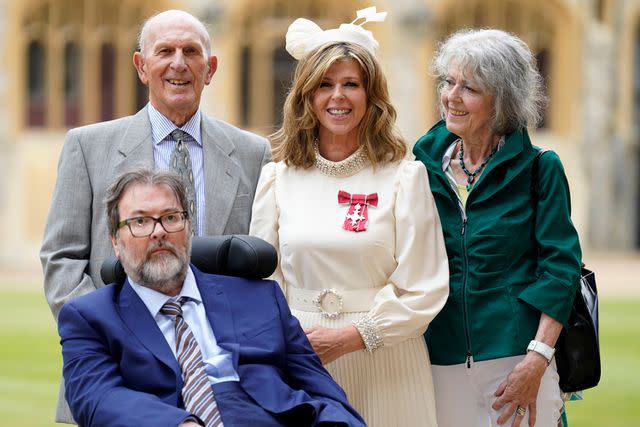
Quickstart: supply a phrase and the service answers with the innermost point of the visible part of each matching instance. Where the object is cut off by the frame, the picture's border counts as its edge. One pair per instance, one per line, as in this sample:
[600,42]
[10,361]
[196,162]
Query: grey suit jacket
[76,238]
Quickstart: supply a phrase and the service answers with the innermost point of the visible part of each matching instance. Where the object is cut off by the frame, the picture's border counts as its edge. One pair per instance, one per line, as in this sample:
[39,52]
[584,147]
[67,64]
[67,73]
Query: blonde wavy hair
[293,142]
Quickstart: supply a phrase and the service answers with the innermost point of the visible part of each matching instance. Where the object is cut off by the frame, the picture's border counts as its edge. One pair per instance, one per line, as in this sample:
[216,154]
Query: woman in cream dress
[361,254]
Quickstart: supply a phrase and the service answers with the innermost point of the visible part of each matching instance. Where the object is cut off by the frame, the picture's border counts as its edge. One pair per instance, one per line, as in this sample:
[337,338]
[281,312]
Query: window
[601,10]
[35,84]
[245,83]
[283,67]
[71,85]
[107,82]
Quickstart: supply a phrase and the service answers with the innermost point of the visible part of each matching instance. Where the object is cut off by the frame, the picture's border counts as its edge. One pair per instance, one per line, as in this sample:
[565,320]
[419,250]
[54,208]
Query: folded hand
[331,343]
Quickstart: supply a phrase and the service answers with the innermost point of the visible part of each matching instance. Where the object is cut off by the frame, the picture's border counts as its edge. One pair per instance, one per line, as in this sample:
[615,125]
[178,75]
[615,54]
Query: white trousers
[464,395]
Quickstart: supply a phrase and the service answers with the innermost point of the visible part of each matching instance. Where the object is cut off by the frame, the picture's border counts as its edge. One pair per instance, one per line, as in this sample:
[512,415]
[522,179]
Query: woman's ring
[521,410]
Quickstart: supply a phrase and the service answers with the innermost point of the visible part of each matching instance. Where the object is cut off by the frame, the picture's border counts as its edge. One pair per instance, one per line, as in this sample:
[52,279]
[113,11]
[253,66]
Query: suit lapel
[136,146]
[137,317]
[218,311]
[221,174]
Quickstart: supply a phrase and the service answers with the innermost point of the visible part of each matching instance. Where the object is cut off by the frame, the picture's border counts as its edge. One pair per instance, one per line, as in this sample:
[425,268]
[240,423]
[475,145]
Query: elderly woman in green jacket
[514,258]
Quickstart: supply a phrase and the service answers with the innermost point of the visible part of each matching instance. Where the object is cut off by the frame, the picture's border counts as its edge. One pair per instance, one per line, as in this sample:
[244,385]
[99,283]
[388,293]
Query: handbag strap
[535,184]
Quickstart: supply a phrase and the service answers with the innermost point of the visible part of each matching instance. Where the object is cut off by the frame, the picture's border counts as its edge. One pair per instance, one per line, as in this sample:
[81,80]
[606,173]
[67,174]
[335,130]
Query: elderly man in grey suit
[220,163]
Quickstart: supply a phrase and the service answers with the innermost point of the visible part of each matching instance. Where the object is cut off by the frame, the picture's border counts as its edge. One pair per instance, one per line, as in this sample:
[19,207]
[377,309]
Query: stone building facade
[65,63]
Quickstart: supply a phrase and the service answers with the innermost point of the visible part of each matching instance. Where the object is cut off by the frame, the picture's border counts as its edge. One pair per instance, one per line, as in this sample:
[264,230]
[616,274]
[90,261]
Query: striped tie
[197,392]
[181,164]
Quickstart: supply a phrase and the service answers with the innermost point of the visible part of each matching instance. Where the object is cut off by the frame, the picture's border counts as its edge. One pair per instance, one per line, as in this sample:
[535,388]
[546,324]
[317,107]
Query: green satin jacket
[506,265]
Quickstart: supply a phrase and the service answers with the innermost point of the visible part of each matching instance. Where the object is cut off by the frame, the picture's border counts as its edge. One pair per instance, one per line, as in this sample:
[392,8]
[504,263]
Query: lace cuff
[369,332]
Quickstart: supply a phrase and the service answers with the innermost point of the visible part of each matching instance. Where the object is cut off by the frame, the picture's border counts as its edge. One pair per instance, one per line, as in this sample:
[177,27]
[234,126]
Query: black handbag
[577,349]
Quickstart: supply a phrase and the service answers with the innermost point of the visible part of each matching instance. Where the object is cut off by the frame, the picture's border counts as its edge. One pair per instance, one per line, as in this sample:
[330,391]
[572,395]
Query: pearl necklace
[344,168]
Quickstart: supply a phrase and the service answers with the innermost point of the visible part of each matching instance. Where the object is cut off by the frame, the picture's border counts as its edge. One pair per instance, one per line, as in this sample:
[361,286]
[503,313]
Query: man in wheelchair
[171,345]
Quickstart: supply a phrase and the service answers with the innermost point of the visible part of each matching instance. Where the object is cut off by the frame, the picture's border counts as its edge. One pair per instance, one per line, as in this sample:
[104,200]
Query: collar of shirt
[154,300]
[446,159]
[161,127]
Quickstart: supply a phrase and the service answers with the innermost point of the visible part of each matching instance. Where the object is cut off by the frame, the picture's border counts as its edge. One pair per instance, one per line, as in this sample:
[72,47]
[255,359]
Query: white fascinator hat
[304,35]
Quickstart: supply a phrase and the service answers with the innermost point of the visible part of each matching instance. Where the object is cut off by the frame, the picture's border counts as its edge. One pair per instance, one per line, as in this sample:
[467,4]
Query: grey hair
[504,67]
[144,30]
[141,176]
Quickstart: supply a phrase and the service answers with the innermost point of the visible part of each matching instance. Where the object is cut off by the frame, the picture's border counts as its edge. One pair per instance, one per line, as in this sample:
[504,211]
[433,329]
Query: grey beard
[164,273]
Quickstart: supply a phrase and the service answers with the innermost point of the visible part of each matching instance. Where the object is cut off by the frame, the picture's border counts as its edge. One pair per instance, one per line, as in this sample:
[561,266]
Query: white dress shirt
[218,362]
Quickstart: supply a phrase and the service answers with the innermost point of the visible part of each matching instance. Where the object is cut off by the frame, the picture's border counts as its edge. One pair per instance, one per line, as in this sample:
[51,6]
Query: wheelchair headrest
[234,255]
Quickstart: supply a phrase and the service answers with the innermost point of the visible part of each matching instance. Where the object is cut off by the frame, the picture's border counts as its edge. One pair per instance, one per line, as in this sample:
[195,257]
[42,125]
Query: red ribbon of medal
[357,217]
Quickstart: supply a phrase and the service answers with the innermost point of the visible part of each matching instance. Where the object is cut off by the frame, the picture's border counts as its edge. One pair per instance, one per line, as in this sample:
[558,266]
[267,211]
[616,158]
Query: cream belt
[331,302]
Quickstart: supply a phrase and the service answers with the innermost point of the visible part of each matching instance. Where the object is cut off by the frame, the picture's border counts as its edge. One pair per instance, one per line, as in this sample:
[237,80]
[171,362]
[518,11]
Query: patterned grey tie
[197,392]
[181,164]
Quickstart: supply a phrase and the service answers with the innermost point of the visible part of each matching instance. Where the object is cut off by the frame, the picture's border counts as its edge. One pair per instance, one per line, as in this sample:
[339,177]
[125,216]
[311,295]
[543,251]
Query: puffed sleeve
[559,255]
[265,215]
[418,287]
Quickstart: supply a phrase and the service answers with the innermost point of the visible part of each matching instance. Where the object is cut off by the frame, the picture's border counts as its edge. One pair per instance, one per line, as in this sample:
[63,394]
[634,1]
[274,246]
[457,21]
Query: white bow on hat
[304,35]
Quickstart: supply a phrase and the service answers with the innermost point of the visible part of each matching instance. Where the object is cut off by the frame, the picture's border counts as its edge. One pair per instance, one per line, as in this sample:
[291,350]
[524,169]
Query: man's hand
[189,424]
[521,389]
[329,343]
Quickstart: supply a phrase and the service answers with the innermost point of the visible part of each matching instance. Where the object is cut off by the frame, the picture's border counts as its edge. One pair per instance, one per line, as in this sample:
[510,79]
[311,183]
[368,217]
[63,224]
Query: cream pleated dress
[390,280]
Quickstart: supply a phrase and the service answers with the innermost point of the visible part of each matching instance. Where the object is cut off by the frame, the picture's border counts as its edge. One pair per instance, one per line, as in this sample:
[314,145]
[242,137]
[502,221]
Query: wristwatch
[543,349]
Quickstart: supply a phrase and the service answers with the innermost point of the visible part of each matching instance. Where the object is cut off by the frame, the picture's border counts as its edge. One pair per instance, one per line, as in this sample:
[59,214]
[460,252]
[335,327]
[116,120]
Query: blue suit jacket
[120,371]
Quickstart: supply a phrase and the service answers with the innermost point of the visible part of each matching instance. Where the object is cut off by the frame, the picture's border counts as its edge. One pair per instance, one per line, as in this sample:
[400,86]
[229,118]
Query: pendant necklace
[472,176]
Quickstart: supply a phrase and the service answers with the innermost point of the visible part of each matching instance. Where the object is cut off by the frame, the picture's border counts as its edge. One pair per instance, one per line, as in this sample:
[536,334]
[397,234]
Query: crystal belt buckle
[329,302]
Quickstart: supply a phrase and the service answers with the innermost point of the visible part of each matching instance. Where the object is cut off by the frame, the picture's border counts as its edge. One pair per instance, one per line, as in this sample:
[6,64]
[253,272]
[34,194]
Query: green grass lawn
[31,362]
[616,400]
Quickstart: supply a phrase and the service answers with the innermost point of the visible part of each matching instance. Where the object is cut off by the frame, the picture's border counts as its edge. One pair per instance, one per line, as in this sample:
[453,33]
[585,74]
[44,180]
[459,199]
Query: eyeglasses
[143,226]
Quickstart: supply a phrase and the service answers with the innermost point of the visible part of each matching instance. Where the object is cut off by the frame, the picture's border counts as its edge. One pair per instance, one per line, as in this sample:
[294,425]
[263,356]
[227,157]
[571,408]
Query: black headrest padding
[112,271]
[234,255]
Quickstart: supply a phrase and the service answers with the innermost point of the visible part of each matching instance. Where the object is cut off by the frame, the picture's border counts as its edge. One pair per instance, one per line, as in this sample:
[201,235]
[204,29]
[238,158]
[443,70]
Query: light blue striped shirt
[218,362]
[163,146]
